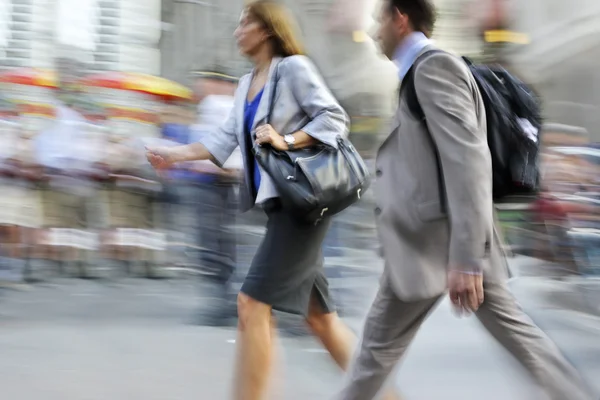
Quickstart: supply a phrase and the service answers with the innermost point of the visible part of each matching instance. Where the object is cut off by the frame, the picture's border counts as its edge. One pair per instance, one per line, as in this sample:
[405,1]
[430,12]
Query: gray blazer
[303,102]
[419,241]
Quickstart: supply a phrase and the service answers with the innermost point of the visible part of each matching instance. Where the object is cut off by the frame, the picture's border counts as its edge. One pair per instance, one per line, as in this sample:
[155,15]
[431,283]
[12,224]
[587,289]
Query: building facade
[103,35]
[26,34]
[560,58]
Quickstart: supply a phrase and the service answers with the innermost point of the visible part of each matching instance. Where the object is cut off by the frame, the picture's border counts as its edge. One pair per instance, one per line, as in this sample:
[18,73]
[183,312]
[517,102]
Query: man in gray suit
[428,250]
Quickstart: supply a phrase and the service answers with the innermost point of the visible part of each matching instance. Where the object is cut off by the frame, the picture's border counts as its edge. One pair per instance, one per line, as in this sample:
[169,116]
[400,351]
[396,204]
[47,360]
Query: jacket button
[378,173]
[377,211]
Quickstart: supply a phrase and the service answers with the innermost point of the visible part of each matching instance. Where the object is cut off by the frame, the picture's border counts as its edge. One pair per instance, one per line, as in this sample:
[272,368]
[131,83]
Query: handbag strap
[274,81]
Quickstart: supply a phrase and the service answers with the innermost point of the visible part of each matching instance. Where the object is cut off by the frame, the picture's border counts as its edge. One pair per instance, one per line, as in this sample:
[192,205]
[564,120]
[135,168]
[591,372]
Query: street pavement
[133,339]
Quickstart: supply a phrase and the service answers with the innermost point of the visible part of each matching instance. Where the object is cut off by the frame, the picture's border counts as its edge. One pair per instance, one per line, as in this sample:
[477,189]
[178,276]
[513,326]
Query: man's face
[206,87]
[392,29]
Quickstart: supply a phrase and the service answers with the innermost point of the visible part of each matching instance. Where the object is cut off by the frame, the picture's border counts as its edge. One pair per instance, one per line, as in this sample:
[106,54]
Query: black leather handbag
[316,182]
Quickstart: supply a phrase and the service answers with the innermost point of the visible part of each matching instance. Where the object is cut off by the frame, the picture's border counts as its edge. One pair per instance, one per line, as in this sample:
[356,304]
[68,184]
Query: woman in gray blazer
[287,271]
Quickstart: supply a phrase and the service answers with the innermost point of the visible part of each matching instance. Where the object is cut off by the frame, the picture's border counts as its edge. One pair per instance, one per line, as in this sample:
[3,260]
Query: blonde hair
[280,24]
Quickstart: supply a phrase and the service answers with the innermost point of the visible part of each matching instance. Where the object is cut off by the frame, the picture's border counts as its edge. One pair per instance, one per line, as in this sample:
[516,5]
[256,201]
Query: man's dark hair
[421,13]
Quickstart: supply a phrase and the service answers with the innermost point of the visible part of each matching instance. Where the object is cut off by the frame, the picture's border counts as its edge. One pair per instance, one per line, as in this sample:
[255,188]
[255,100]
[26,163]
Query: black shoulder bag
[317,182]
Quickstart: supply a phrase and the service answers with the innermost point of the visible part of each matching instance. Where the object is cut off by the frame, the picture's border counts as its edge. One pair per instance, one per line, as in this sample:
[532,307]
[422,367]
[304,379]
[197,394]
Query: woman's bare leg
[254,349]
[276,389]
[336,337]
[331,331]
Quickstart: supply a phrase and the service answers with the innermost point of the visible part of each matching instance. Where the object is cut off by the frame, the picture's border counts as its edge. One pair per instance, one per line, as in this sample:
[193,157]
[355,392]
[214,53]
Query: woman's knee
[318,320]
[251,311]
[321,323]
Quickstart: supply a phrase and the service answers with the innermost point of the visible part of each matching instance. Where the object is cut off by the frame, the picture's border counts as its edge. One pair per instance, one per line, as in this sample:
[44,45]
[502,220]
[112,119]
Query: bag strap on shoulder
[407,88]
[408,91]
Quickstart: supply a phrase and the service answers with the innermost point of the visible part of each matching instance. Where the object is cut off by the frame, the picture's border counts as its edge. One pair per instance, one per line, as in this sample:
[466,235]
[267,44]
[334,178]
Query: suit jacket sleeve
[223,141]
[448,96]
[328,119]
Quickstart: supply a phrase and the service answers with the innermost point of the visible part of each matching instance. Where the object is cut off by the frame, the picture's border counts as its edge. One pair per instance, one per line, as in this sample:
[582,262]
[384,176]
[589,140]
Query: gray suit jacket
[303,102]
[420,242]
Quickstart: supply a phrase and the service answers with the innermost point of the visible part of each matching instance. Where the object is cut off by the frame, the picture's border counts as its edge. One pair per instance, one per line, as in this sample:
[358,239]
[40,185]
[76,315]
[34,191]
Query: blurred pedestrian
[10,201]
[215,202]
[287,272]
[428,250]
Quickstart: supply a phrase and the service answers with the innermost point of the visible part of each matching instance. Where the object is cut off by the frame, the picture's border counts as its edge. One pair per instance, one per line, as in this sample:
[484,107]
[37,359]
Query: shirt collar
[407,51]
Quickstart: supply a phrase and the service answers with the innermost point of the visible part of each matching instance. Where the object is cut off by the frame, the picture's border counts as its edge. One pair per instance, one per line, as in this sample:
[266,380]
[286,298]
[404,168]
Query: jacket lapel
[263,107]
[240,106]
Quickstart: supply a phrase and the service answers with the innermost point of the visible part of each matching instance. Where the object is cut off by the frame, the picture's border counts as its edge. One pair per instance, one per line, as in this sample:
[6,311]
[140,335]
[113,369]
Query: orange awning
[141,83]
[30,77]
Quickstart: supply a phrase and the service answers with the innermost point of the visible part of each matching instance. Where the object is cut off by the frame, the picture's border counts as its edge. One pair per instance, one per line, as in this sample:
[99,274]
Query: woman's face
[250,34]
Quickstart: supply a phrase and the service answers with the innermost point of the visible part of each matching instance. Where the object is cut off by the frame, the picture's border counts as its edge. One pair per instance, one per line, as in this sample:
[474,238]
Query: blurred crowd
[562,224]
[79,198]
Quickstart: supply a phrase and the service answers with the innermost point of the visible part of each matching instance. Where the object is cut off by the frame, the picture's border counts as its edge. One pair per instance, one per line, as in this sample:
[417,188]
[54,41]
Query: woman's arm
[303,139]
[214,146]
[189,152]
[328,118]
[266,134]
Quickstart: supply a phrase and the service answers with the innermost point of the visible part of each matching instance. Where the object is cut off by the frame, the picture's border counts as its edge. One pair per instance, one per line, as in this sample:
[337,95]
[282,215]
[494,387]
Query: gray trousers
[392,324]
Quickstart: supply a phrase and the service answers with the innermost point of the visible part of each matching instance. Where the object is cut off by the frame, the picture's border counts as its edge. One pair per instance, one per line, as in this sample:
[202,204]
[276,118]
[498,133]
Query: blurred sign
[503,36]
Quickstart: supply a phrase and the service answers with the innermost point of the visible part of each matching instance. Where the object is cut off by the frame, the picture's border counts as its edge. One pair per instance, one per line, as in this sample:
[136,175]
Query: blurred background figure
[70,151]
[10,232]
[205,195]
[218,201]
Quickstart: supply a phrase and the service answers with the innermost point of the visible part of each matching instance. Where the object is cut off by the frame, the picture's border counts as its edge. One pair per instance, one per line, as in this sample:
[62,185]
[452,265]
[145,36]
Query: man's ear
[396,14]
[400,19]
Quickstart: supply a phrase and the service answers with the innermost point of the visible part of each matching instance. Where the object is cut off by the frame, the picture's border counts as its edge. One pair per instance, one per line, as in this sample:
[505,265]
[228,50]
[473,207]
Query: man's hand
[100,171]
[159,157]
[265,134]
[35,173]
[465,290]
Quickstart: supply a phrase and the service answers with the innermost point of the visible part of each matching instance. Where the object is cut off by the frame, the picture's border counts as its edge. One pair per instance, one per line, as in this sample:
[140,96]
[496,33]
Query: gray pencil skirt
[288,266]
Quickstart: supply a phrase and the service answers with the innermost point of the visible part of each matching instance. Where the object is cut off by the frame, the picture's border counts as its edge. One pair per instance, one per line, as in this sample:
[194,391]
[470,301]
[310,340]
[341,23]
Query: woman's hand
[159,157]
[265,134]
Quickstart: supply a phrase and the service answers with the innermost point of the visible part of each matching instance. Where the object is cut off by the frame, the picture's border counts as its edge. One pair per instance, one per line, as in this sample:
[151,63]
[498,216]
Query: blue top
[249,114]
[181,134]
